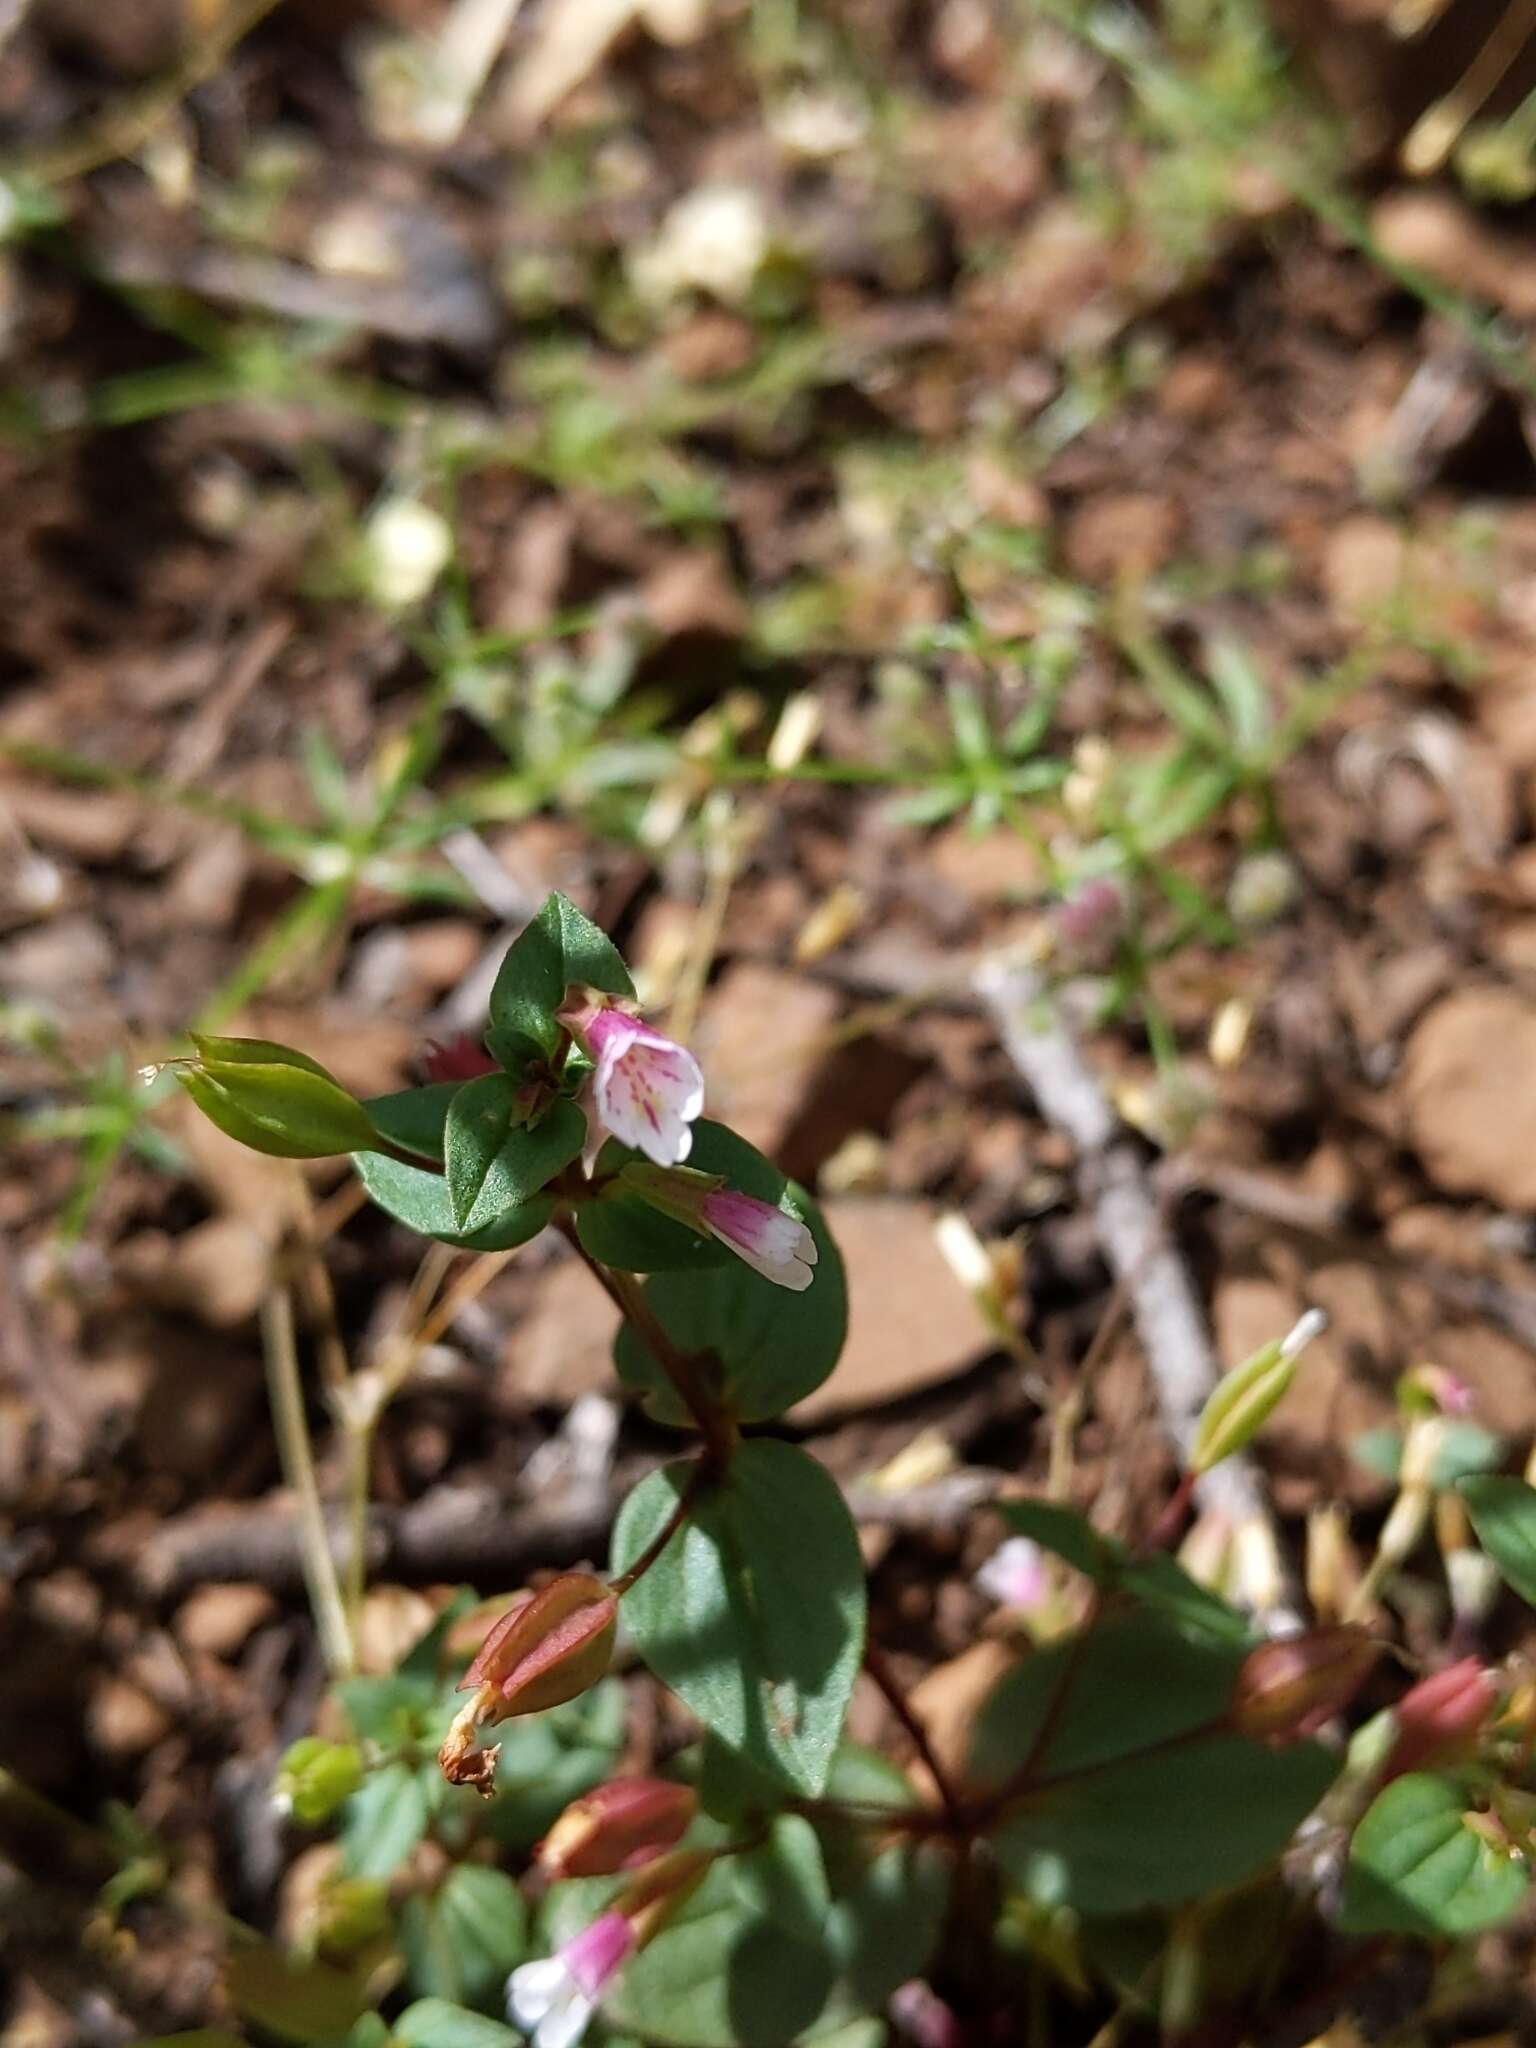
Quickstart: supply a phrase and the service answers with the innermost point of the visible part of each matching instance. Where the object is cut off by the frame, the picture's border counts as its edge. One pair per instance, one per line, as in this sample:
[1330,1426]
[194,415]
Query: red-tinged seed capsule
[547,1648]
[616,1827]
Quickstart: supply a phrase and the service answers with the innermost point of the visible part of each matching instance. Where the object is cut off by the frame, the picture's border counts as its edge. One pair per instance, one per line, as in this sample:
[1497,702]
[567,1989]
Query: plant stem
[628,1296]
[878,1667]
[664,1535]
[296,1453]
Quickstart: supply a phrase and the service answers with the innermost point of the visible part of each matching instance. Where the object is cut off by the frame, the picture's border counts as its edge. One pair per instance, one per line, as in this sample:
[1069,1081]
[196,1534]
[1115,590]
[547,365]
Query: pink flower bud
[924,2017]
[460,1058]
[1291,1687]
[1089,923]
[554,1998]
[773,1243]
[1015,1575]
[768,1238]
[646,1088]
[618,1826]
[1436,1717]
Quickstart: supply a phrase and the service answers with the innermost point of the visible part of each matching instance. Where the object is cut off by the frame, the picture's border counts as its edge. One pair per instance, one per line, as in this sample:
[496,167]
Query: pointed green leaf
[1503,1513]
[420,1200]
[494,1161]
[414,1117]
[1416,1867]
[754,1612]
[558,948]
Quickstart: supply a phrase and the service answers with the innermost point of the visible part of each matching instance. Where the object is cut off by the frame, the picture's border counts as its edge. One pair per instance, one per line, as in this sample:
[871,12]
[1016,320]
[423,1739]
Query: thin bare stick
[1130,1224]
[296,1453]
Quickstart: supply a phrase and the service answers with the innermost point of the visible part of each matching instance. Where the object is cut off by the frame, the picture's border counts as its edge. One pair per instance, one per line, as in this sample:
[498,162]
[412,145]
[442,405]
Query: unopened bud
[1438,1717]
[1432,1390]
[1245,1398]
[315,1776]
[618,1826]
[547,1648]
[1293,1686]
[274,1099]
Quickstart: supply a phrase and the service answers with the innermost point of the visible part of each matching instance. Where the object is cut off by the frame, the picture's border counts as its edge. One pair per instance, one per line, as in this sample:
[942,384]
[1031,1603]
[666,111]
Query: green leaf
[770,1347]
[420,1200]
[1066,1534]
[297,2001]
[621,1230]
[414,1117]
[1159,1829]
[384,1821]
[754,1613]
[1463,1448]
[495,1162]
[1415,1867]
[786,1880]
[1140,1797]
[1503,1513]
[1158,1581]
[435,2023]
[557,948]
[461,1940]
[724,1975]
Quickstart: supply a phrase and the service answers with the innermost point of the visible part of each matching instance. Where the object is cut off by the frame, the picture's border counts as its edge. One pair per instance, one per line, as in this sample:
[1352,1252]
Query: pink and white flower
[554,1998]
[772,1242]
[1015,1575]
[646,1088]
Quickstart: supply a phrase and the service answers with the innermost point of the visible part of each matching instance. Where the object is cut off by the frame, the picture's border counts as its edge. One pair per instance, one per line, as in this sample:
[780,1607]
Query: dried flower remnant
[547,1648]
[1290,1688]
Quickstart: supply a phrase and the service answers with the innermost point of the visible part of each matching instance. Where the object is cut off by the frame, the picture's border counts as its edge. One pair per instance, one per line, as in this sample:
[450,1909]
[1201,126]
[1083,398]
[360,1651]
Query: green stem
[629,1297]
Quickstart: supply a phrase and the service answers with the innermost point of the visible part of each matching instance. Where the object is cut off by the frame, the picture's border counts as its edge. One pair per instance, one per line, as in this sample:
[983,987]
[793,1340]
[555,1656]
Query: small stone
[562,1347]
[763,1035]
[911,1324]
[217,1619]
[1471,1108]
[124,1721]
[1125,536]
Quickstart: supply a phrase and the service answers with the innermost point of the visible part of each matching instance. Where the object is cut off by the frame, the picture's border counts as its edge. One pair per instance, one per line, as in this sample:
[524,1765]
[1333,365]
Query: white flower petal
[533,1989]
[565,2022]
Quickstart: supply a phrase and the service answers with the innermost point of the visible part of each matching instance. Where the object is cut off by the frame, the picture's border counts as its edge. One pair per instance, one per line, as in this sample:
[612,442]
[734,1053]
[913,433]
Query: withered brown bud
[1289,1688]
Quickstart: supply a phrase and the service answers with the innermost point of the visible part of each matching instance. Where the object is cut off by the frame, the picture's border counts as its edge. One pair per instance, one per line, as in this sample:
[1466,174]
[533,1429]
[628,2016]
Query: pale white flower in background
[714,240]
[406,547]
